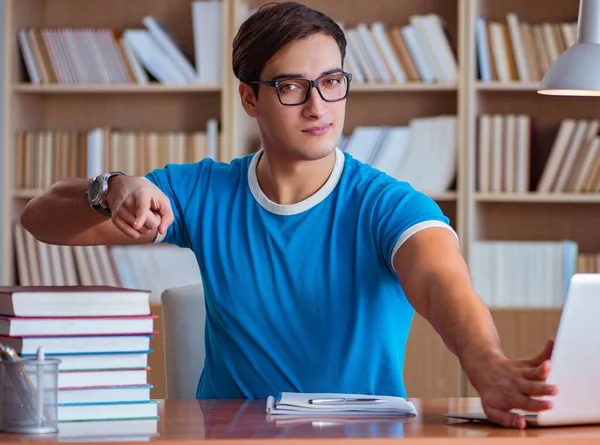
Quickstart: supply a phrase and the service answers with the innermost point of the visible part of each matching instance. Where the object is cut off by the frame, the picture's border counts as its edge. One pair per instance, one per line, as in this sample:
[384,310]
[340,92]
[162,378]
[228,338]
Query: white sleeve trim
[417,228]
[159,237]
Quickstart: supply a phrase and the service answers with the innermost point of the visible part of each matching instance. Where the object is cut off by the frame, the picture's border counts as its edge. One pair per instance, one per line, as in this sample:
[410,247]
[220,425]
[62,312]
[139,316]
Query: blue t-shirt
[299,297]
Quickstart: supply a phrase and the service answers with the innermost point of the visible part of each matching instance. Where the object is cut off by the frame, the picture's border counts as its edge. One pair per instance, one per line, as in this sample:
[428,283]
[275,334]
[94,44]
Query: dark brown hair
[272,27]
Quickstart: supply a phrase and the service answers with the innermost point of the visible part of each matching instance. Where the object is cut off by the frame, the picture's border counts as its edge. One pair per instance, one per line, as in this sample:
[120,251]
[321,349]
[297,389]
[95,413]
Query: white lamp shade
[576,72]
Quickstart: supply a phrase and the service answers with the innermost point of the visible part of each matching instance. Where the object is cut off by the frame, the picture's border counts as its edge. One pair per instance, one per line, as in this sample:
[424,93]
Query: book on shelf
[417,51]
[61,55]
[519,51]
[588,263]
[503,153]
[504,145]
[154,267]
[573,163]
[45,157]
[523,273]
[67,335]
[423,153]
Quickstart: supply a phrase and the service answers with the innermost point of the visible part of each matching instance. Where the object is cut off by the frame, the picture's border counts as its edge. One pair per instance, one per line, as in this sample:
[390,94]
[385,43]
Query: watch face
[94,190]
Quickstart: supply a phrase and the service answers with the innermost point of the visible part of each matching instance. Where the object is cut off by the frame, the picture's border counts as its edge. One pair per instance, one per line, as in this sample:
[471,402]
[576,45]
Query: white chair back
[183,322]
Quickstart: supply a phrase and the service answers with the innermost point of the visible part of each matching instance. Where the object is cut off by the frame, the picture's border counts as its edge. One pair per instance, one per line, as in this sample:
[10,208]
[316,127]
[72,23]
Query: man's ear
[248,99]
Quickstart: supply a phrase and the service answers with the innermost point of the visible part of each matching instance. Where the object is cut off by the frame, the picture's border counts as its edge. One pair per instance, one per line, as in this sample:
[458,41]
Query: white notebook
[339,404]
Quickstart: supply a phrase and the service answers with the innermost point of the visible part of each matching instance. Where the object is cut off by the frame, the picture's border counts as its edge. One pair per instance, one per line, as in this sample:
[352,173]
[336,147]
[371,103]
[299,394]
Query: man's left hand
[506,384]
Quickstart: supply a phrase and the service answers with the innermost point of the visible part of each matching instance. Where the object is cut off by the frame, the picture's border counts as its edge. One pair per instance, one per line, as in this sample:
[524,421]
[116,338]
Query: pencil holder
[29,396]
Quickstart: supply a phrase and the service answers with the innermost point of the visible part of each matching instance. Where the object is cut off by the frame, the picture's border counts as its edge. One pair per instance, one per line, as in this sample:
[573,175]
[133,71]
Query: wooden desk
[240,422]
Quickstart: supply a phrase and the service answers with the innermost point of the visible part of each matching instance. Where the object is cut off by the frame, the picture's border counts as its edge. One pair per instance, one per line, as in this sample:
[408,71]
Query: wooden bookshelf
[476,215]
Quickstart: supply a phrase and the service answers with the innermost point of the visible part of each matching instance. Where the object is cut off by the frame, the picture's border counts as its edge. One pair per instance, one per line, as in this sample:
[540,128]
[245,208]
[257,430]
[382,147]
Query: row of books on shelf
[503,153]
[155,267]
[518,50]
[108,56]
[419,51]
[573,164]
[504,156]
[525,273]
[44,157]
[423,153]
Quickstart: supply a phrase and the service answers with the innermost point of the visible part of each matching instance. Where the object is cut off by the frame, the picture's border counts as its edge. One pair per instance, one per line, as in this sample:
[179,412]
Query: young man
[312,262]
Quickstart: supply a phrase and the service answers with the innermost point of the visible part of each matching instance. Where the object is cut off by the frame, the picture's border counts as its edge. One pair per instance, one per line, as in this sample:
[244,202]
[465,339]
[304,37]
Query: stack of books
[102,336]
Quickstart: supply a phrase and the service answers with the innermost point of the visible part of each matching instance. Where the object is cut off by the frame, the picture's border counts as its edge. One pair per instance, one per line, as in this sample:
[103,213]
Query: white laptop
[575,361]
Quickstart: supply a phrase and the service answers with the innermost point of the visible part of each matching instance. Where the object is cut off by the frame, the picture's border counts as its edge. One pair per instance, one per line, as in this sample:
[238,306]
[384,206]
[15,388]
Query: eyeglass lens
[293,91]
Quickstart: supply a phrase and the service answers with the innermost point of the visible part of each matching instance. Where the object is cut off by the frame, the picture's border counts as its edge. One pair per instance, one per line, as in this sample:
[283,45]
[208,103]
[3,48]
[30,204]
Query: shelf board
[207,88]
[114,88]
[399,87]
[503,86]
[563,198]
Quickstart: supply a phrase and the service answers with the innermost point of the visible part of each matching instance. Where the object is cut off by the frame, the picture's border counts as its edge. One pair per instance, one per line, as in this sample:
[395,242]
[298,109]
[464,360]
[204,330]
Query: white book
[483,53]
[392,154]
[447,59]
[318,404]
[167,43]
[593,151]
[363,141]
[497,151]
[415,48]
[378,30]
[102,377]
[484,152]
[510,155]
[500,51]
[428,47]
[95,153]
[557,154]
[523,153]
[105,394]
[354,41]
[207,30]
[24,326]
[108,411]
[372,53]
[153,58]
[516,39]
[99,360]
[569,159]
[352,64]
[212,139]
[33,70]
[108,430]
[141,77]
[73,345]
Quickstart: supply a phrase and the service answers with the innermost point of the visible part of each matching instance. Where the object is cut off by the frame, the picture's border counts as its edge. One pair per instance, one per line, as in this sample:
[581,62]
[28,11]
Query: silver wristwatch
[97,191]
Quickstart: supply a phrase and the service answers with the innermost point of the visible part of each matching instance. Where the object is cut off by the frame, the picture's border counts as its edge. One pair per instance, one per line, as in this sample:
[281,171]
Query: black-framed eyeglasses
[332,87]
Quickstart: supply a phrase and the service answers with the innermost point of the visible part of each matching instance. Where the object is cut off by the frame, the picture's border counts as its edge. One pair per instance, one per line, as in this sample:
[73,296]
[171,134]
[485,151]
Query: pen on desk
[343,400]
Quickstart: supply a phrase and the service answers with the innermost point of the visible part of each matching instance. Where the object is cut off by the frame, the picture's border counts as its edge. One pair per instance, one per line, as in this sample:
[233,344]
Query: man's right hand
[138,206]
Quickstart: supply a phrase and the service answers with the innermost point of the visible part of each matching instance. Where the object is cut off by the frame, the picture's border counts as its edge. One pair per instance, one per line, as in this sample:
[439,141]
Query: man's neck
[286,181]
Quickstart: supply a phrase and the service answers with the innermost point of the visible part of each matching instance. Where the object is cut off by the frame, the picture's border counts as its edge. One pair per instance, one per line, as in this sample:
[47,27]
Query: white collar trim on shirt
[299,207]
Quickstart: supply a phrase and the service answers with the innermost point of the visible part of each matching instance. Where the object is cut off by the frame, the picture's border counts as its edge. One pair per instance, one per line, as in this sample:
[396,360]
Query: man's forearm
[61,213]
[461,318]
